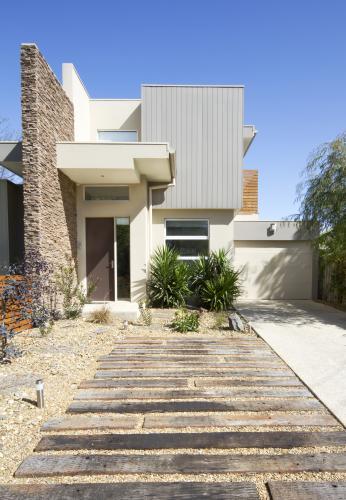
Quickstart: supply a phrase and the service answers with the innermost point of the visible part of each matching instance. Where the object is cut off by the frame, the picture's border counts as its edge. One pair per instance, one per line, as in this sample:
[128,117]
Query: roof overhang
[116,163]
[249,133]
[11,156]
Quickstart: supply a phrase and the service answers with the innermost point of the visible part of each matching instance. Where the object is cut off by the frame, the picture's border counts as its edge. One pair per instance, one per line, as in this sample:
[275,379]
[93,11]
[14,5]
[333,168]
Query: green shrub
[185,321]
[218,293]
[168,284]
[73,293]
[214,281]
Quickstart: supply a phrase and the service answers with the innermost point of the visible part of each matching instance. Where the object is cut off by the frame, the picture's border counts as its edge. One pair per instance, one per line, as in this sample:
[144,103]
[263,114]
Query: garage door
[275,270]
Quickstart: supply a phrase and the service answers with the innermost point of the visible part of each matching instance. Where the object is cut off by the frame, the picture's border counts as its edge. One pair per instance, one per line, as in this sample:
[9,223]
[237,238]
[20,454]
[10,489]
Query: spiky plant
[168,284]
[214,281]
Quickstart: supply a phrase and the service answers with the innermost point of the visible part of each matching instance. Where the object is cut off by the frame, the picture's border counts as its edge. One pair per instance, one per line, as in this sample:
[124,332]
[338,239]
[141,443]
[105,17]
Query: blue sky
[290,55]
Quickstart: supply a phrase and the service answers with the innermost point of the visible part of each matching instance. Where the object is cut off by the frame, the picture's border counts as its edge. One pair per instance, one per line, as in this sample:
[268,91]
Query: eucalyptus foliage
[322,196]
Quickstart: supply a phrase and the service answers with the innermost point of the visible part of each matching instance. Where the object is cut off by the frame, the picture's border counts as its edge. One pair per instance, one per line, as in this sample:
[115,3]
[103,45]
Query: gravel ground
[66,357]
[62,359]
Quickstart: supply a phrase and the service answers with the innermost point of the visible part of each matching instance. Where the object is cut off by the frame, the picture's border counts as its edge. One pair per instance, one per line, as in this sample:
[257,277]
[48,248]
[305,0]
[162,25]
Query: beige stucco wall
[114,114]
[91,115]
[74,88]
[275,269]
[136,210]
[220,225]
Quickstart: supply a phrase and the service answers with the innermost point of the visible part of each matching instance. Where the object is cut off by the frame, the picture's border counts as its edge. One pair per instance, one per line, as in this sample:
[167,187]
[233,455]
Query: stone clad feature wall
[50,221]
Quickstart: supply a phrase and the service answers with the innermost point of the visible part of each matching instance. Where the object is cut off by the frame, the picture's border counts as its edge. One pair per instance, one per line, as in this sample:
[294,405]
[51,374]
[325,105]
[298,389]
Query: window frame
[116,130]
[105,185]
[196,238]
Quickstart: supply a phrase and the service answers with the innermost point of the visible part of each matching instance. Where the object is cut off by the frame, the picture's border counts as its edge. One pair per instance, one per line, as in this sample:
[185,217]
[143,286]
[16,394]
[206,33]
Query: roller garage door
[275,270]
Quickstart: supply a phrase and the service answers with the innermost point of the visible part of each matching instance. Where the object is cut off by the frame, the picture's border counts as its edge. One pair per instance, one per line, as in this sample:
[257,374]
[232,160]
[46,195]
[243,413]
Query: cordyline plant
[214,281]
[168,283]
[30,290]
[322,196]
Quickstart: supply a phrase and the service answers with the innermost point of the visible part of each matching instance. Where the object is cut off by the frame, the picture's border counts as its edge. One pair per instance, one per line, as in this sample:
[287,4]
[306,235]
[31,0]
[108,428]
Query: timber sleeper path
[188,417]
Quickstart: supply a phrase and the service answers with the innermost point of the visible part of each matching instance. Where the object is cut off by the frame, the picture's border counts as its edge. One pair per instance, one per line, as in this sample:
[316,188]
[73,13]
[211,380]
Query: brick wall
[250,192]
[50,222]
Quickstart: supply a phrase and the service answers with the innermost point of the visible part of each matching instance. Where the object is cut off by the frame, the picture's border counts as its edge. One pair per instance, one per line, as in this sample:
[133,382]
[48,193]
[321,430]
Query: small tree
[322,196]
[73,293]
[30,290]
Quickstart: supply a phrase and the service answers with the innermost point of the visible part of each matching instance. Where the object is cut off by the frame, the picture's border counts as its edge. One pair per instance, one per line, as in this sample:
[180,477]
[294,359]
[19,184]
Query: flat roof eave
[11,156]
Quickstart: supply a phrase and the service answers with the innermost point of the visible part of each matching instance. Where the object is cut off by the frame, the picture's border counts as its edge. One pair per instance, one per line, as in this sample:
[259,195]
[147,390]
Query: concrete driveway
[311,338]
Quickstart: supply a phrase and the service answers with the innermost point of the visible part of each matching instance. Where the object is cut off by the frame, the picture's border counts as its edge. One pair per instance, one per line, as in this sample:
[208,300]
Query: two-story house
[106,181]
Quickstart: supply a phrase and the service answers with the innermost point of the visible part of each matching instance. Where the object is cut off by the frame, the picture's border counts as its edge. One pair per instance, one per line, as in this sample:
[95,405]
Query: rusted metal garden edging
[14,319]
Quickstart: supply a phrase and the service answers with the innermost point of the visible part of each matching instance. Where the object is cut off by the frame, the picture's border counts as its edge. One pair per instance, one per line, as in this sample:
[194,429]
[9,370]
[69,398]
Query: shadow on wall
[159,196]
[277,270]
[132,120]
[138,290]
[301,231]
[69,200]
[286,275]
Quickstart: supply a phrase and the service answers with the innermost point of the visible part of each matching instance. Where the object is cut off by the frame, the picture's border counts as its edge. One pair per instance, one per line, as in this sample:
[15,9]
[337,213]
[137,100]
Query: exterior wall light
[273,227]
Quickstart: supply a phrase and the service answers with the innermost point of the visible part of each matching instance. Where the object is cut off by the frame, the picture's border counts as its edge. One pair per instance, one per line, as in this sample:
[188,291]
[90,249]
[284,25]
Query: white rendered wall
[275,269]
[91,115]
[248,217]
[220,226]
[136,210]
[114,114]
[79,97]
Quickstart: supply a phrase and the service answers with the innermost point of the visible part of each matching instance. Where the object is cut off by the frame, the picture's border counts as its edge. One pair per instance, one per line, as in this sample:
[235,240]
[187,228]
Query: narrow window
[189,237]
[123,257]
[106,193]
[117,135]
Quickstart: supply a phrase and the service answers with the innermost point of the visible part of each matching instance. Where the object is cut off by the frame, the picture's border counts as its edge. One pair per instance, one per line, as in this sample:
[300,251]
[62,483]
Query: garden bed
[62,359]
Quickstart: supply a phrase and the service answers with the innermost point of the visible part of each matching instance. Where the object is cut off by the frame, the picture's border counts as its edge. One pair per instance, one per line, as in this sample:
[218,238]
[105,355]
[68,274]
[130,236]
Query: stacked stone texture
[50,222]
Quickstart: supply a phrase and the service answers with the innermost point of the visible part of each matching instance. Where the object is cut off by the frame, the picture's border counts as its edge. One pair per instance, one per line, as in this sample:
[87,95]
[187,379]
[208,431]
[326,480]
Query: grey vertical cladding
[205,126]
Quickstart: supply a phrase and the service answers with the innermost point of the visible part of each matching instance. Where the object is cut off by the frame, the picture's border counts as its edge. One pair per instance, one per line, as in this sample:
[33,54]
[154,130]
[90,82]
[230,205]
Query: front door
[100,256]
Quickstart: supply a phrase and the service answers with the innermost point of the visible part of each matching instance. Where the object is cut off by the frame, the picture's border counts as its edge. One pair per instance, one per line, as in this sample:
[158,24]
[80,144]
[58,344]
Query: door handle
[112,264]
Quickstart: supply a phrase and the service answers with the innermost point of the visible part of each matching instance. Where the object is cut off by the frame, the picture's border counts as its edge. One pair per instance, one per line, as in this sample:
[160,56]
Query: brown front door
[100,256]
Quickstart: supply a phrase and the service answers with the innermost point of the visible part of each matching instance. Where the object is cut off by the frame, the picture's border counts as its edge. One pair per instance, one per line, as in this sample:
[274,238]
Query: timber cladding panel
[250,192]
[50,223]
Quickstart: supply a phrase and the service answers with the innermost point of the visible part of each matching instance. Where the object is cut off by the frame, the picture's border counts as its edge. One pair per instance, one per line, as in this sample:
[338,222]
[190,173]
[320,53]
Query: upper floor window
[117,135]
[106,193]
[189,237]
